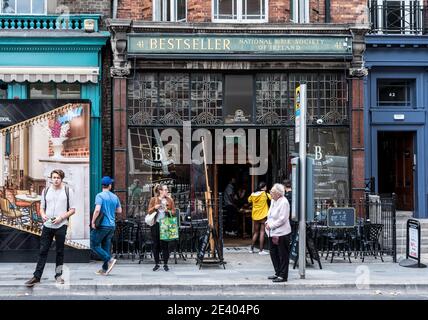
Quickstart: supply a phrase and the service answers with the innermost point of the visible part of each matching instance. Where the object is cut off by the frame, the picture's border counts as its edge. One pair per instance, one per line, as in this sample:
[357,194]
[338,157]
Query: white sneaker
[250,250]
[111,264]
[263,253]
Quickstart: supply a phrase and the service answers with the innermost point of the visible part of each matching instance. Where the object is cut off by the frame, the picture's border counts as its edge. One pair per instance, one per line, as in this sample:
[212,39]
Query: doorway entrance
[396,167]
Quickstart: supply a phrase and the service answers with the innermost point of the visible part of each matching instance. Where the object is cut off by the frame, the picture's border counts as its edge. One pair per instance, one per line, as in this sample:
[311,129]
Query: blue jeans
[101,243]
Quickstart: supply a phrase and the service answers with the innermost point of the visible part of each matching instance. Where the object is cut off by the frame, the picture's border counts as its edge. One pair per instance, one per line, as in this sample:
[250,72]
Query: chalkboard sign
[294,250]
[204,239]
[341,217]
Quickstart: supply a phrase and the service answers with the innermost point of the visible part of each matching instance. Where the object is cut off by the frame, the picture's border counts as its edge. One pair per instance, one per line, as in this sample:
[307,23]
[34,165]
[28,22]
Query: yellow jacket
[260,205]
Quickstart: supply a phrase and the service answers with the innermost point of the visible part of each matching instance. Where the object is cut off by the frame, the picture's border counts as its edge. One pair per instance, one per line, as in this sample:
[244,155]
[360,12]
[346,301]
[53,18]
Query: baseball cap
[106,181]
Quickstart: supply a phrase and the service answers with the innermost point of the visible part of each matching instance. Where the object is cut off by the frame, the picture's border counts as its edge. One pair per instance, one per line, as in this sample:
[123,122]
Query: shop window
[169,10]
[3,90]
[240,10]
[329,147]
[299,10]
[396,92]
[54,90]
[238,104]
[23,7]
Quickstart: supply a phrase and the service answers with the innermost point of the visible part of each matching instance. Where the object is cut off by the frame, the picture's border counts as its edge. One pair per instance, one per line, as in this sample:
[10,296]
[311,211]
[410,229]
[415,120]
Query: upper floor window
[397,17]
[299,10]
[169,10]
[395,92]
[23,6]
[53,90]
[240,10]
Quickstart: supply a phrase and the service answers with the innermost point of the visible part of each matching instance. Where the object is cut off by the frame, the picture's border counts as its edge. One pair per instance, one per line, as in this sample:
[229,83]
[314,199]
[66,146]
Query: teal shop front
[48,57]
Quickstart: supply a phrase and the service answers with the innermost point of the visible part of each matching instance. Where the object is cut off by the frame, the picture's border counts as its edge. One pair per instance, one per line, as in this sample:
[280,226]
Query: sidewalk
[245,274]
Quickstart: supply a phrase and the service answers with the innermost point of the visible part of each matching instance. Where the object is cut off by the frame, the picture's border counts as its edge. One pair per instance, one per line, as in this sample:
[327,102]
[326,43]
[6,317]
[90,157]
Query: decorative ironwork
[207,98]
[143,99]
[397,17]
[174,97]
[333,98]
[272,99]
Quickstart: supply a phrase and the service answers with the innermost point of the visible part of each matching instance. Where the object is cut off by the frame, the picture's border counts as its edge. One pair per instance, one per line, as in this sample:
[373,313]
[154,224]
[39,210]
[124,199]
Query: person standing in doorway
[278,229]
[108,204]
[57,205]
[230,203]
[162,204]
[260,201]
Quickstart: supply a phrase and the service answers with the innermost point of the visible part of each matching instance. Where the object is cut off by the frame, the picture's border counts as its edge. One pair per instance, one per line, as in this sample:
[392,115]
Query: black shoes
[156,267]
[273,277]
[30,283]
[279,279]
[165,267]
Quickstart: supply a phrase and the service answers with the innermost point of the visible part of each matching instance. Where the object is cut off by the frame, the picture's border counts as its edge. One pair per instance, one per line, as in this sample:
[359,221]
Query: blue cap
[105,181]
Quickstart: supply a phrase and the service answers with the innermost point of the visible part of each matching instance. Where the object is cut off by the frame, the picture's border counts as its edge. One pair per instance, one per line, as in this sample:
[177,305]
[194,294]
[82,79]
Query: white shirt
[278,218]
[56,203]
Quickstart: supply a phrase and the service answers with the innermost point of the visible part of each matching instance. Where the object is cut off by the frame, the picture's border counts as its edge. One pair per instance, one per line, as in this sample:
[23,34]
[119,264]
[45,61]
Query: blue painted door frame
[420,172]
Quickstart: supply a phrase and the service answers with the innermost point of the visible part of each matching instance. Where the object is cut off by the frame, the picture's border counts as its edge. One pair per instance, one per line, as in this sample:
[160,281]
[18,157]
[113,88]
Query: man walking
[57,205]
[108,204]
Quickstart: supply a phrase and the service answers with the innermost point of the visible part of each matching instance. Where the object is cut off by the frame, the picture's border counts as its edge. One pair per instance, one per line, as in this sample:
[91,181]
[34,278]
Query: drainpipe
[114,9]
[327,11]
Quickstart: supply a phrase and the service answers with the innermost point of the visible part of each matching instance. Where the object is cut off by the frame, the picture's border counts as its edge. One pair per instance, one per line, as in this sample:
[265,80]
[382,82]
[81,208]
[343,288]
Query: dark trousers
[280,254]
[231,219]
[46,239]
[159,244]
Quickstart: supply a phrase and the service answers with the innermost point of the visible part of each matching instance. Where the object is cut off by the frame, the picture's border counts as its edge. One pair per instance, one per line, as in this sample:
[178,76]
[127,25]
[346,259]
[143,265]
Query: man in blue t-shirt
[108,204]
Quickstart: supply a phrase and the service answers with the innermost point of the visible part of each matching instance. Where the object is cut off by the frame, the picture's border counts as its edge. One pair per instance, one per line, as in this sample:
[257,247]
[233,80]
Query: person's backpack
[67,192]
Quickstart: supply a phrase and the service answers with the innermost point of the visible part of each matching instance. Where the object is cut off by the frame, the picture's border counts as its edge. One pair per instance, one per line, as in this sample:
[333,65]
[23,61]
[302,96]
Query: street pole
[302,156]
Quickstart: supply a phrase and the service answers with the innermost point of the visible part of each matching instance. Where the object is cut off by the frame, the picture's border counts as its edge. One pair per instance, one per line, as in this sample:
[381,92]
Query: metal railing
[49,22]
[373,209]
[396,17]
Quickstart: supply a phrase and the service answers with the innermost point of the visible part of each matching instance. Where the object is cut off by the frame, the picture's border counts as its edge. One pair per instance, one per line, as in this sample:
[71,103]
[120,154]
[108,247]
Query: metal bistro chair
[125,242]
[146,242]
[370,242]
[9,213]
[339,243]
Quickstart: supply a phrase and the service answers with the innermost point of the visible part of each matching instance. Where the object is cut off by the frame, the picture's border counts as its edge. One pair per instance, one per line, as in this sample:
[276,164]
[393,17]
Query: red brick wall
[347,11]
[317,11]
[279,11]
[135,9]
[199,11]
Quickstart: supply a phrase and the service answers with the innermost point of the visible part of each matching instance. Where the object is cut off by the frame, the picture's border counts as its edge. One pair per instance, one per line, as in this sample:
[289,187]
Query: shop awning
[47,74]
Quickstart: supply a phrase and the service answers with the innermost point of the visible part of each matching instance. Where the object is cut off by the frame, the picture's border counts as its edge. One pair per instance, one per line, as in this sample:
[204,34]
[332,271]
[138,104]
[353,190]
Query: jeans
[280,256]
[46,239]
[159,244]
[101,243]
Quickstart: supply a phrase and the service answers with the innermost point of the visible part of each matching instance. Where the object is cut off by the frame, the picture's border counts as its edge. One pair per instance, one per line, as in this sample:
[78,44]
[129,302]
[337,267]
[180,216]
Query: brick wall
[135,9]
[342,11]
[87,6]
[199,11]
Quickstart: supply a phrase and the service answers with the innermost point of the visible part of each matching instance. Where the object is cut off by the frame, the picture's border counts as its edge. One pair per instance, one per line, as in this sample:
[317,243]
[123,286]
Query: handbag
[99,219]
[168,229]
[150,218]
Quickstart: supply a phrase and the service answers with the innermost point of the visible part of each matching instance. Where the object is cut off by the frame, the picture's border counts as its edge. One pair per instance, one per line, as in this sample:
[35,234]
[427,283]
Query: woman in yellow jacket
[260,200]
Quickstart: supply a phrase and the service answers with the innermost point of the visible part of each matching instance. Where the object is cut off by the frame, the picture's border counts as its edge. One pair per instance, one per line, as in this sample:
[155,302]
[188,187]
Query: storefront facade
[56,58]
[235,87]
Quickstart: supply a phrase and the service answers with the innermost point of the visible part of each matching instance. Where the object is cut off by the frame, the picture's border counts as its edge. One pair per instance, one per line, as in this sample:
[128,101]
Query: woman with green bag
[163,205]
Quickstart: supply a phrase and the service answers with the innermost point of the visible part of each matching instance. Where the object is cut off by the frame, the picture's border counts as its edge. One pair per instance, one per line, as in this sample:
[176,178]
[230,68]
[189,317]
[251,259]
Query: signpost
[300,138]
[413,245]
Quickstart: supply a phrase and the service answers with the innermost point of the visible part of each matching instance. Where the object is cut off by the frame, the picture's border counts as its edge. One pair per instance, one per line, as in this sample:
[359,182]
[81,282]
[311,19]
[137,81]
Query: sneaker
[111,264]
[101,272]
[165,267]
[30,283]
[273,277]
[251,250]
[263,253]
[156,267]
[59,280]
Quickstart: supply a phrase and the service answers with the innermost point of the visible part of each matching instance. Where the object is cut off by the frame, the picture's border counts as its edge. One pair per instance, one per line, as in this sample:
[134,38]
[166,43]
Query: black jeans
[280,255]
[46,239]
[231,219]
[159,244]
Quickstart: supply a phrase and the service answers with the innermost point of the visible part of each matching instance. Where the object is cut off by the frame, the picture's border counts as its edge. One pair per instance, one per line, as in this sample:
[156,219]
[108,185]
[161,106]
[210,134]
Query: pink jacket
[278,218]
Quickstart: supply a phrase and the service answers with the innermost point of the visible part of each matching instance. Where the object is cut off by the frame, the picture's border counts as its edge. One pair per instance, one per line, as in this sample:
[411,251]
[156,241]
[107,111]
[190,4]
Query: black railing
[396,17]
[371,210]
